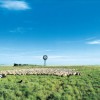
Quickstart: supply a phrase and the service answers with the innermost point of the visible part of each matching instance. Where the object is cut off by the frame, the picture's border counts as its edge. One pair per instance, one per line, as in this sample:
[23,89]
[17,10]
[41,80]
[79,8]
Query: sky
[68,31]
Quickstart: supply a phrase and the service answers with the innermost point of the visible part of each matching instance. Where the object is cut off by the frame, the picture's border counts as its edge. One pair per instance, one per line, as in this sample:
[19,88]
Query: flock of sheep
[41,71]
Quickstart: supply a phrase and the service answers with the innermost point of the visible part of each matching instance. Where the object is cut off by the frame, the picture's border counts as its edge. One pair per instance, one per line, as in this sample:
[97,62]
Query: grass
[49,87]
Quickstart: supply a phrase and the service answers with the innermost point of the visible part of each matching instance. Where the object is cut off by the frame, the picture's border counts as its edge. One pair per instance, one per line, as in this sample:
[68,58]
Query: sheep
[42,71]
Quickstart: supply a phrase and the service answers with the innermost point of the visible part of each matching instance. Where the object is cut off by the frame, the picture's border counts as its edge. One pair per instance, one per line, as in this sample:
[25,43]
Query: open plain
[43,86]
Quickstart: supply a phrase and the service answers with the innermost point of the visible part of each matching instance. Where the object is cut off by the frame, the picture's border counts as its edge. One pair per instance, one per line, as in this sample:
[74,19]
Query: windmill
[45,57]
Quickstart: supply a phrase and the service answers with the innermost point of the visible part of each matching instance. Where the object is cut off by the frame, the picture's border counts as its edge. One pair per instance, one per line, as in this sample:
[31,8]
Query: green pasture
[49,87]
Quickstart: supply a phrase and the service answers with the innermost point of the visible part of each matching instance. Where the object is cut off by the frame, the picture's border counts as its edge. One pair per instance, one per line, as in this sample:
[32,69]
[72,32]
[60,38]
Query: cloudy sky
[68,31]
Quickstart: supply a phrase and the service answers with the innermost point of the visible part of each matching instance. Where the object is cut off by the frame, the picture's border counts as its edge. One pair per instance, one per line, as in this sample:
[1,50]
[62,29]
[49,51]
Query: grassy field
[49,87]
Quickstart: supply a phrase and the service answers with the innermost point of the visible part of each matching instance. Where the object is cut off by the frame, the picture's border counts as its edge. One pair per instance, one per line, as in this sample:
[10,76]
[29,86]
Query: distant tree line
[15,64]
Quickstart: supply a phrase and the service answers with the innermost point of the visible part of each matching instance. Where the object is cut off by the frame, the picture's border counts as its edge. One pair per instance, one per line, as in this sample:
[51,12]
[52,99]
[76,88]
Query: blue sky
[68,31]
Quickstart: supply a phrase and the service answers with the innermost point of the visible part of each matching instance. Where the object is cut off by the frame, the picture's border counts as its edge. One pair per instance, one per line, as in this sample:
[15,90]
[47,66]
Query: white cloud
[14,5]
[58,57]
[94,42]
[91,38]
